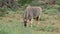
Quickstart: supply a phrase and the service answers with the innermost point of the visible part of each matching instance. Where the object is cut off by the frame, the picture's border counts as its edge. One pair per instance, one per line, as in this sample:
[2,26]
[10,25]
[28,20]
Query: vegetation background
[11,17]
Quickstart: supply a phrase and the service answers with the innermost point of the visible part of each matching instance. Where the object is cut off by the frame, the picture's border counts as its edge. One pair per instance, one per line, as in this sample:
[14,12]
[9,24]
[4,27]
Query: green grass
[13,24]
[49,23]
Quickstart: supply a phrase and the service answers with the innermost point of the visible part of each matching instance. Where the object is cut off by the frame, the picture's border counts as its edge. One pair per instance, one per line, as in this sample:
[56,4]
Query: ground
[13,24]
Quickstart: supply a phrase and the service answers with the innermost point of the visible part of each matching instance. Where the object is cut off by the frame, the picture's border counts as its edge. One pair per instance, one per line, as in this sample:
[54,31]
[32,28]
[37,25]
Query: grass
[13,24]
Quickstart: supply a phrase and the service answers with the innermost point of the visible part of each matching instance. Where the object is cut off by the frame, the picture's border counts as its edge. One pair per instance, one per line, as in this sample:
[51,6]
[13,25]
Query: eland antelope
[32,12]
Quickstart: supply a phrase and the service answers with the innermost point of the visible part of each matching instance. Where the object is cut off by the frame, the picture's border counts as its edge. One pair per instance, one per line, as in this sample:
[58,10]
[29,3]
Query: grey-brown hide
[32,12]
